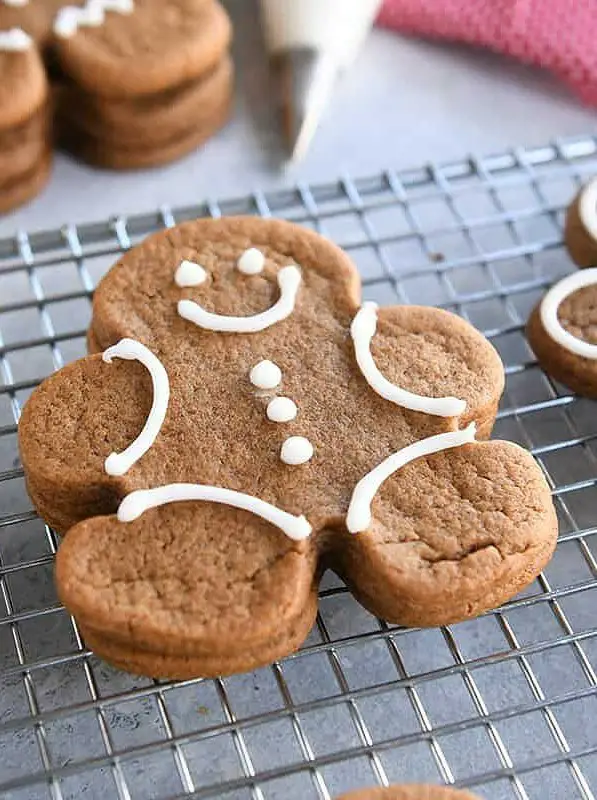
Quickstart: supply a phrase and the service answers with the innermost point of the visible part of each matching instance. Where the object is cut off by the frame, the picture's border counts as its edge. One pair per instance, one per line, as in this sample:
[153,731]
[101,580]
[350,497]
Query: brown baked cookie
[23,85]
[24,146]
[150,121]
[102,153]
[28,185]
[562,329]
[24,120]
[148,47]
[414,791]
[353,450]
[146,83]
[581,226]
[122,146]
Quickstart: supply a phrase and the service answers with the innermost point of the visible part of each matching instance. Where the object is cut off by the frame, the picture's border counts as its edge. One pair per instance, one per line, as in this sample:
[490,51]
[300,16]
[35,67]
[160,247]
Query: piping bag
[312,42]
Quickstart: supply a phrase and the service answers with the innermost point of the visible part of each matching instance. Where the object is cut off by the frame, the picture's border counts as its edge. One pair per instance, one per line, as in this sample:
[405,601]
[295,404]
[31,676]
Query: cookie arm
[452,535]
[70,425]
[188,589]
[432,354]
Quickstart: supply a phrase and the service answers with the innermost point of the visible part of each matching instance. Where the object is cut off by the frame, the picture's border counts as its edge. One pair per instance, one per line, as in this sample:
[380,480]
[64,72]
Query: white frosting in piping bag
[362,330]
[358,517]
[549,312]
[587,207]
[137,502]
[131,350]
[14,41]
[289,279]
[70,18]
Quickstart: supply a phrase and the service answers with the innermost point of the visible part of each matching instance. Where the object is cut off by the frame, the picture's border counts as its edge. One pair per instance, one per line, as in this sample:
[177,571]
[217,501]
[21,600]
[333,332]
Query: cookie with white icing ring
[203,555]
[581,226]
[562,331]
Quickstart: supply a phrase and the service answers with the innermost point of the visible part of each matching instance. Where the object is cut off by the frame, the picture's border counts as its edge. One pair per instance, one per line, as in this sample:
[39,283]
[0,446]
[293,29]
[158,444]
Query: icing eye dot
[251,262]
[281,409]
[296,450]
[265,375]
[189,274]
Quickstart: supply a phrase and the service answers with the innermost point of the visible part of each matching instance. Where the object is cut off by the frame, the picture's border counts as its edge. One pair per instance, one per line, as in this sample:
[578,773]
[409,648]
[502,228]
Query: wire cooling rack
[506,704]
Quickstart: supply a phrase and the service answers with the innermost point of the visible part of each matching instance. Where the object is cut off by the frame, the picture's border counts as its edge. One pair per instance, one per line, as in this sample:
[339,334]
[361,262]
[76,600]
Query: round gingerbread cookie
[562,331]
[26,186]
[23,84]
[141,46]
[148,123]
[199,518]
[111,154]
[581,226]
[414,791]
[23,146]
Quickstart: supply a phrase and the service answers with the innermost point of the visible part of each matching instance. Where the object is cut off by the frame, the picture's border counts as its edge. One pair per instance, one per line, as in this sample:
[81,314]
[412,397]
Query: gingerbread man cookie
[244,424]
[413,791]
[147,80]
[562,329]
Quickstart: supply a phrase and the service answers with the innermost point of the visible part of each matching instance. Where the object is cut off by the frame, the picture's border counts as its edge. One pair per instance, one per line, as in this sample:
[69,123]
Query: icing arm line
[131,350]
[362,330]
[358,517]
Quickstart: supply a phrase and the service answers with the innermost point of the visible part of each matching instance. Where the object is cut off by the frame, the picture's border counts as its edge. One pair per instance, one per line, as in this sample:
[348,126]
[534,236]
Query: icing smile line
[289,280]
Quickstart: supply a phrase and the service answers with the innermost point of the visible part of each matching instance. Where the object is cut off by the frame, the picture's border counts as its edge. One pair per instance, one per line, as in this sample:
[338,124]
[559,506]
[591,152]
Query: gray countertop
[403,103]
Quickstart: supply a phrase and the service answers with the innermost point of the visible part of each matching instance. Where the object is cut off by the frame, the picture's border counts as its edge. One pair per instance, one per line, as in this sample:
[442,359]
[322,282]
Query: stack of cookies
[24,126]
[143,81]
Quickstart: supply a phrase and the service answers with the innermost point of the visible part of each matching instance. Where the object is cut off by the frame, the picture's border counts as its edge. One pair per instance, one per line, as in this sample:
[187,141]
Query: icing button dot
[251,261]
[281,409]
[265,375]
[188,273]
[296,450]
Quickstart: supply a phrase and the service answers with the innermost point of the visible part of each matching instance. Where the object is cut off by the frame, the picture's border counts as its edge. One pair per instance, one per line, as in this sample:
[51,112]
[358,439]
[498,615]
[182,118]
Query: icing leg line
[137,502]
[358,518]
[131,350]
[362,330]
[289,279]
[549,312]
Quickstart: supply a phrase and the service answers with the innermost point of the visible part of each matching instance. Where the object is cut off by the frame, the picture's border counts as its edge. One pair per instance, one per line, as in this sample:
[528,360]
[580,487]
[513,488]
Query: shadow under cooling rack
[506,704]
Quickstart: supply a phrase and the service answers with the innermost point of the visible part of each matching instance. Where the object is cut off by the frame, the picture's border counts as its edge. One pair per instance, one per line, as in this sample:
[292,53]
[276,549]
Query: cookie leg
[188,589]
[452,535]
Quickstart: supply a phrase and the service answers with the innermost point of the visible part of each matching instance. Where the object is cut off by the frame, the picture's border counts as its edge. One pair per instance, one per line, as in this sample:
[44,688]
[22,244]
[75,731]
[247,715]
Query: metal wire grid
[505,704]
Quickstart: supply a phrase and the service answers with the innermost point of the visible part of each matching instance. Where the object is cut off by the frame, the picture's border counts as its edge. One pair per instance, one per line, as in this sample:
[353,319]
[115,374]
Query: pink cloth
[560,35]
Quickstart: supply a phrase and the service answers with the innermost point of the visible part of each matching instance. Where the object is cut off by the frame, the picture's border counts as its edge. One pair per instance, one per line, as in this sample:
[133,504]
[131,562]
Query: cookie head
[245,423]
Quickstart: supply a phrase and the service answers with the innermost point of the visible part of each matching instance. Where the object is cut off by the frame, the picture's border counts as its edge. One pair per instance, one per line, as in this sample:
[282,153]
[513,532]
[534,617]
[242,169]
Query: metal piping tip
[306,80]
